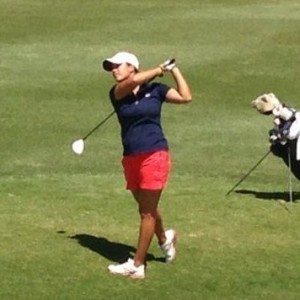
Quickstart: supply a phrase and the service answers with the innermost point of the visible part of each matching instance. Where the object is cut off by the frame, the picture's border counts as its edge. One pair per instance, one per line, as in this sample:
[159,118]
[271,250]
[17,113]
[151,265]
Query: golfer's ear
[132,68]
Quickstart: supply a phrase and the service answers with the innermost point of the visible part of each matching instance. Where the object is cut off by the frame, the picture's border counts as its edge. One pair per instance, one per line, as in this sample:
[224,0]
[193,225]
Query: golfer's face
[122,71]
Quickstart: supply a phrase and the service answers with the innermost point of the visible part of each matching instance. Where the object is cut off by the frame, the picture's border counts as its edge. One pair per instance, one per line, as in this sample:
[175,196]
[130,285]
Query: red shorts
[148,171]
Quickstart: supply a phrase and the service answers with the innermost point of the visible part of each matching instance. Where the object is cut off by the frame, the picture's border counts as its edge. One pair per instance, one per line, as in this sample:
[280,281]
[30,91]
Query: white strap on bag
[294,133]
[298,149]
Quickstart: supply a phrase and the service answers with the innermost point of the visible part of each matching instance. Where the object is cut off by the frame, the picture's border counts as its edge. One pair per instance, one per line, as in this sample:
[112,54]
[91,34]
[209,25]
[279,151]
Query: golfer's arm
[125,87]
[183,93]
[145,76]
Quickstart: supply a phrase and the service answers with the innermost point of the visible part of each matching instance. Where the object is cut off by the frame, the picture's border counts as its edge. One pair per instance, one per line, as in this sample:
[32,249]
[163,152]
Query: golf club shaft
[250,171]
[101,123]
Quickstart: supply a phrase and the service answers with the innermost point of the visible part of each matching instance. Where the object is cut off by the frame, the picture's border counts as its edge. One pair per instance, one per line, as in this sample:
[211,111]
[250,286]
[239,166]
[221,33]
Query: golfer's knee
[148,215]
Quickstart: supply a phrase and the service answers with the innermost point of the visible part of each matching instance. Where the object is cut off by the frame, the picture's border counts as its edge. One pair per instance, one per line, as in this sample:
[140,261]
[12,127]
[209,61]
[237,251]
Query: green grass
[64,218]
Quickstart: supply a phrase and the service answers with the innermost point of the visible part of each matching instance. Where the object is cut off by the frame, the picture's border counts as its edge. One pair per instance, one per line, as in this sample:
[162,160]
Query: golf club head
[78,146]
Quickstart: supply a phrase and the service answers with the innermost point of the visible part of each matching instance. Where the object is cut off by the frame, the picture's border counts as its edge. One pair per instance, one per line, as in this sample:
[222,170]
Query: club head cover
[266,103]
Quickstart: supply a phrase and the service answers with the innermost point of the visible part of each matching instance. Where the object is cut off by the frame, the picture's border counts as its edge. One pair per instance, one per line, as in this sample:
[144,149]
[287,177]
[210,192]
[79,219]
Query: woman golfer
[146,159]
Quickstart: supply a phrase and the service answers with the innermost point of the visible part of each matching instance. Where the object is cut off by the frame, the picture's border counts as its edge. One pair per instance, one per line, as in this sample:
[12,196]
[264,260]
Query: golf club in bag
[250,171]
[78,145]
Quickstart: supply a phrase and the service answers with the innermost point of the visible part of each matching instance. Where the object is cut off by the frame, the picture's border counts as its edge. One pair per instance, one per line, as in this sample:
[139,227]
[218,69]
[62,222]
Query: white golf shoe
[169,246]
[128,269]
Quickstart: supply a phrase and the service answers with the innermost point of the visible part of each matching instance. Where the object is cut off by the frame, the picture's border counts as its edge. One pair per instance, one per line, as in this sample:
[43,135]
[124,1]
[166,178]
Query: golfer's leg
[159,228]
[148,201]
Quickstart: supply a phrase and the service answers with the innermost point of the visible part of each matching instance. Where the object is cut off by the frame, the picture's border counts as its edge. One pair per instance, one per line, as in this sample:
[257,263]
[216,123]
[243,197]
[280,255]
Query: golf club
[78,145]
[251,170]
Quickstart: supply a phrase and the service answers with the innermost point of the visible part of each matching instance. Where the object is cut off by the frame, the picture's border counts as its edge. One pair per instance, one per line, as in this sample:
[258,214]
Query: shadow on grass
[271,195]
[113,251]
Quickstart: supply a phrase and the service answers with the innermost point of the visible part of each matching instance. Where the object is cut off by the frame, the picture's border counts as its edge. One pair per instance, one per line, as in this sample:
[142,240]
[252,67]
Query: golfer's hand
[168,65]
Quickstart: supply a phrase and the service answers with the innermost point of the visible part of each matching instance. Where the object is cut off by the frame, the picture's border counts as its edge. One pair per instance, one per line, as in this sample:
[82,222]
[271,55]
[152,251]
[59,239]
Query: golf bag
[285,135]
[288,153]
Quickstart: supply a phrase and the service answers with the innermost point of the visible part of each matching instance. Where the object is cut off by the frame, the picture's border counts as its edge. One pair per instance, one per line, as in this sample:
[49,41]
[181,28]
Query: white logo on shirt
[147,95]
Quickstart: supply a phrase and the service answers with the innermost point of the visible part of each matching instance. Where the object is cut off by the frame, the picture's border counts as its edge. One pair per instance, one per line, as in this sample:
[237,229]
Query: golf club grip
[172,61]
[101,123]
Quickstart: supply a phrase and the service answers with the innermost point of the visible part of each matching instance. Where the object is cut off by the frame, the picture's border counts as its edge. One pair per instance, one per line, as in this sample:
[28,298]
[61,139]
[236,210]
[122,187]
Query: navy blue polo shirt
[140,118]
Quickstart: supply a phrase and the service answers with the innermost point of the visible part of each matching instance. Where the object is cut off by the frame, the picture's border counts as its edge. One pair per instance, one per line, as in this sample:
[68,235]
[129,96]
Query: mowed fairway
[64,218]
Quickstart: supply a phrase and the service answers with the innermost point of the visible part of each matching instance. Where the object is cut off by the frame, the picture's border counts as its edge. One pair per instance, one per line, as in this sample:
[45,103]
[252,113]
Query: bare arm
[182,94]
[126,86]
